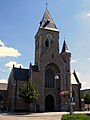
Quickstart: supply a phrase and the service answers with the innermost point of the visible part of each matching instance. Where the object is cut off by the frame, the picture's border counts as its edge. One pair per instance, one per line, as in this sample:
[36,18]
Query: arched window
[52,42]
[47,43]
[49,78]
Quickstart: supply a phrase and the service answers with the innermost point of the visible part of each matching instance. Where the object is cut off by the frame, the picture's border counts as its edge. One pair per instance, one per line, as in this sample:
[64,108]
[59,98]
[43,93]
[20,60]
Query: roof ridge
[47,20]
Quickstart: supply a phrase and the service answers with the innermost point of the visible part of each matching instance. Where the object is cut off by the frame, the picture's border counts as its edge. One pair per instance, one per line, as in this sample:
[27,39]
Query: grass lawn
[76,117]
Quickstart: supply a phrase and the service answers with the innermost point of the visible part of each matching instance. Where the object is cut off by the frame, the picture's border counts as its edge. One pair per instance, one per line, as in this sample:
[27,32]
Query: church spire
[47,22]
[46,4]
[65,48]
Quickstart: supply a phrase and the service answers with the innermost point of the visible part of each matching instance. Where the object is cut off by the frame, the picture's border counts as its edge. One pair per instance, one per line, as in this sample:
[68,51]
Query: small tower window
[37,46]
[52,42]
[46,43]
[52,55]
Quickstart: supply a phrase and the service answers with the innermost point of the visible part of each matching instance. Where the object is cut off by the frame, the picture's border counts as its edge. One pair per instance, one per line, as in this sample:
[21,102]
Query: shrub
[87,98]
[75,117]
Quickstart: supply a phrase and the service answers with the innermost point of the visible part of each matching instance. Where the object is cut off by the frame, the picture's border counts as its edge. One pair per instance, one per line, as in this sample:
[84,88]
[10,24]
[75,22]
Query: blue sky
[19,21]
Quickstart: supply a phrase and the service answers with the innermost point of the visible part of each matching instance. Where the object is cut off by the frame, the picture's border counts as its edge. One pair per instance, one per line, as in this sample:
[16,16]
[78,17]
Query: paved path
[33,116]
[36,116]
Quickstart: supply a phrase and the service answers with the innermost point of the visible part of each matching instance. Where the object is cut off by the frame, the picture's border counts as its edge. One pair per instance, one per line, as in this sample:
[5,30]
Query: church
[51,73]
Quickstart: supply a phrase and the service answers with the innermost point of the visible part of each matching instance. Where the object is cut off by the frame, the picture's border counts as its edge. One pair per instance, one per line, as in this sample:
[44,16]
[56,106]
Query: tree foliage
[28,92]
[87,98]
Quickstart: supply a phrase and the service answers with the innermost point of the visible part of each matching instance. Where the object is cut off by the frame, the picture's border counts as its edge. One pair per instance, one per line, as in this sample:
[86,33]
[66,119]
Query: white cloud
[84,79]
[1,44]
[11,63]
[8,51]
[3,81]
[74,60]
[84,20]
[1,70]
[88,14]
[85,15]
[88,58]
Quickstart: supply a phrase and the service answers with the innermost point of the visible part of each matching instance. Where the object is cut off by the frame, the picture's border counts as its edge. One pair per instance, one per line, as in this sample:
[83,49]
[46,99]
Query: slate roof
[65,48]
[3,86]
[47,21]
[34,68]
[20,73]
[74,79]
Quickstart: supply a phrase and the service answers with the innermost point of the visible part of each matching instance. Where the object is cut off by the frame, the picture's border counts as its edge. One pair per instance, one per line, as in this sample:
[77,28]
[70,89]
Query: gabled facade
[50,64]
[17,77]
[76,95]
[50,72]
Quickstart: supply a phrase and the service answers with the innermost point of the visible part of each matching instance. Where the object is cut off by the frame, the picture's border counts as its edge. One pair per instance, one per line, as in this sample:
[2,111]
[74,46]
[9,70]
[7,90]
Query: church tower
[47,37]
[51,72]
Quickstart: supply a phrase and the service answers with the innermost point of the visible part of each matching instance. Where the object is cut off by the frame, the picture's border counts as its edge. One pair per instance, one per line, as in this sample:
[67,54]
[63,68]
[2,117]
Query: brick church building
[51,73]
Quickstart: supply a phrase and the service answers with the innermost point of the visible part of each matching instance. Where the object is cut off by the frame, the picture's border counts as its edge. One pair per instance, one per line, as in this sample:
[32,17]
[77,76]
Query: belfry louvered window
[46,43]
[49,78]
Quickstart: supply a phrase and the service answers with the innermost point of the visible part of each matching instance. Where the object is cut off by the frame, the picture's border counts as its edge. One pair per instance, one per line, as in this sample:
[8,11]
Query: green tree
[87,98]
[28,92]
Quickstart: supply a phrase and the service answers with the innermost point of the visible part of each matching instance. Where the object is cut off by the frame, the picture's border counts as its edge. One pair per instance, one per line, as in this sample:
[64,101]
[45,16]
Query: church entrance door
[49,103]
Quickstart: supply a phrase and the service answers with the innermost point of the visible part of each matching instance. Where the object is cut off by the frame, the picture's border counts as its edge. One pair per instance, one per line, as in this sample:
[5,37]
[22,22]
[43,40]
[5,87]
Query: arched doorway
[49,103]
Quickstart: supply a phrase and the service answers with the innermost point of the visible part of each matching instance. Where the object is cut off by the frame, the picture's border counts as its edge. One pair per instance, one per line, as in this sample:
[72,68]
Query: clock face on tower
[49,40]
[49,36]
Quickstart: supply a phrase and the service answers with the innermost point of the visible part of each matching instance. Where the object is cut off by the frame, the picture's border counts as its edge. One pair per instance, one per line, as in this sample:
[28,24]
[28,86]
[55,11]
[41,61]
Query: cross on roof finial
[46,4]
[64,38]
